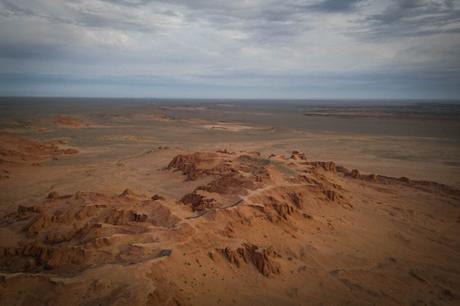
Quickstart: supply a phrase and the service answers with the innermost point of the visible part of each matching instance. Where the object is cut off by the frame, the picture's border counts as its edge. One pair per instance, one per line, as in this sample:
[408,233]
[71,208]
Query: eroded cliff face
[70,233]
[254,229]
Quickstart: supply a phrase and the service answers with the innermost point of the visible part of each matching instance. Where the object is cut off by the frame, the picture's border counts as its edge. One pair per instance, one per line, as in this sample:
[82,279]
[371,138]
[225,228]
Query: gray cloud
[240,42]
[79,17]
[335,5]
[11,9]
[32,51]
[415,18]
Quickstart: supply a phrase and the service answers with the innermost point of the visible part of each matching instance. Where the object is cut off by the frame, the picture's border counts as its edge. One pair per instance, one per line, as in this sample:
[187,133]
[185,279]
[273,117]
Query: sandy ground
[152,209]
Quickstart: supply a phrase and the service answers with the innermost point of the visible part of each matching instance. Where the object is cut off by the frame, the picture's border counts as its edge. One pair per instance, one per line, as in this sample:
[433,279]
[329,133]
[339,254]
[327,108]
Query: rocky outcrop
[296,199]
[296,155]
[52,195]
[355,174]
[198,201]
[157,197]
[228,184]
[331,195]
[253,165]
[67,233]
[28,209]
[327,166]
[18,149]
[122,217]
[37,256]
[186,164]
[199,164]
[284,210]
[225,151]
[261,258]
[276,211]
[232,176]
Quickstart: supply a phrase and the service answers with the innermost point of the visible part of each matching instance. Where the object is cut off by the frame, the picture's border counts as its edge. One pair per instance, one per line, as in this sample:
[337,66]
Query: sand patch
[229,127]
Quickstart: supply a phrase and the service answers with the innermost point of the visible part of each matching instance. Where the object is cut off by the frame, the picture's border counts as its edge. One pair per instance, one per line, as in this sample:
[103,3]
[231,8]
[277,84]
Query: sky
[264,49]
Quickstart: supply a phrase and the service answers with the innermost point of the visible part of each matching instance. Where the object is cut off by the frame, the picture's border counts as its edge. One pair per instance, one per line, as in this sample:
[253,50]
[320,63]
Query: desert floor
[226,205]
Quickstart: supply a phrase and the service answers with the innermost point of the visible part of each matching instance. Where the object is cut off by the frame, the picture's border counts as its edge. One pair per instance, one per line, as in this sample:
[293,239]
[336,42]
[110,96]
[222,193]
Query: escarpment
[230,220]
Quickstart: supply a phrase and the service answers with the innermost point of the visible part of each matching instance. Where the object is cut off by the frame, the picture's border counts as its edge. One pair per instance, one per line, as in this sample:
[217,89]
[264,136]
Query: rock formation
[262,259]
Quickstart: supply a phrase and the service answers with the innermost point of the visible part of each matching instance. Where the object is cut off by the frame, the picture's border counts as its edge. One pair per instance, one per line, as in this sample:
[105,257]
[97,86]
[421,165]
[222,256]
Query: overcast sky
[231,49]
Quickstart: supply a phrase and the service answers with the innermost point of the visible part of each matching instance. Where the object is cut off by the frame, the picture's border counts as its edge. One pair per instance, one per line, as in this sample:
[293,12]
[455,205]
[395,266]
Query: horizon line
[228,99]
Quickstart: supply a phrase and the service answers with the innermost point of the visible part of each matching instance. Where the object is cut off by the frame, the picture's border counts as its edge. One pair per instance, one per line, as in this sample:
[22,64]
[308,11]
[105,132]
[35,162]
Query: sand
[130,218]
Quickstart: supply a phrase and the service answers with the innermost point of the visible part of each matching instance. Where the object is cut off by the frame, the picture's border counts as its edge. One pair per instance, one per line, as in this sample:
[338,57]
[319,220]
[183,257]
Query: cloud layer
[236,49]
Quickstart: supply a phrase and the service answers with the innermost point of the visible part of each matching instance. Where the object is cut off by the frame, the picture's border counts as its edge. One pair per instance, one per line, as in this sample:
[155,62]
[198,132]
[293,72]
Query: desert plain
[153,202]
